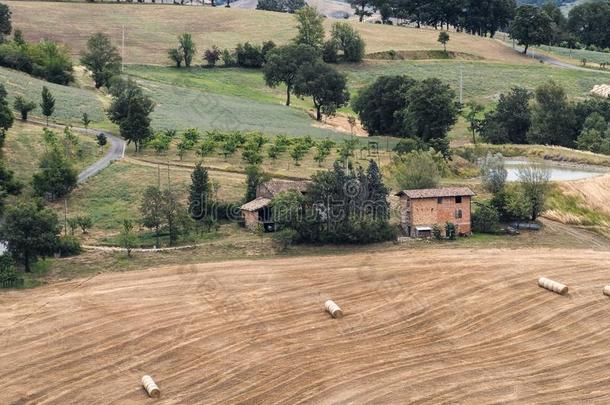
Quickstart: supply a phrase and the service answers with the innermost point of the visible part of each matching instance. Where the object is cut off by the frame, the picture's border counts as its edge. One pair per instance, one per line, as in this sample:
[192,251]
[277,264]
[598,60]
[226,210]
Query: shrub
[436,232]
[450,230]
[250,56]
[228,58]
[330,52]
[485,219]
[9,278]
[212,55]
[68,246]
[284,238]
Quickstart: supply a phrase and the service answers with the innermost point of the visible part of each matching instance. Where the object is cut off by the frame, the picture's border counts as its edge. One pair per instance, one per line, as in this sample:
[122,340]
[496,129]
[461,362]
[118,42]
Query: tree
[594,135]
[30,231]
[415,170]
[212,55]
[283,64]
[362,8]
[187,48]
[85,120]
[431,110]
[85,223]
[348,41]
[8,184]
[443,38]
[534,181]
[323,150]
[102,59]
[6,115]
[127,238]
[23,106]
[5,21]
[553,117]
[185,145]
[151,210]
[377,104]
[171,208]
[485,219]
[310,27]
[511,120]
[56,177]
[254,177]
[176,56]
[101,139]
[472,115]
[298,152]
[493,173]
[48,103]
[589,21]
[326,86]
[377,193]
[200,194]
[531,26]
[159,142]
[130,110]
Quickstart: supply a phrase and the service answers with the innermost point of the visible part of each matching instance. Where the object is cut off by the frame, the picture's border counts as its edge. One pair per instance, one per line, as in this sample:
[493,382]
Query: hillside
[152,29]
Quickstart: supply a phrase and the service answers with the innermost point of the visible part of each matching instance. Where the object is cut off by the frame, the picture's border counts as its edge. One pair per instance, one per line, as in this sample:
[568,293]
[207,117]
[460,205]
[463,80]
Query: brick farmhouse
[421,209]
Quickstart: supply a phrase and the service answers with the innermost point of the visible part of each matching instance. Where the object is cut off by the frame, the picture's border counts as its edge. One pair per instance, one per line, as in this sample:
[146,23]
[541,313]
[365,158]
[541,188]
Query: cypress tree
[48,103]
[199,193]
[377,191]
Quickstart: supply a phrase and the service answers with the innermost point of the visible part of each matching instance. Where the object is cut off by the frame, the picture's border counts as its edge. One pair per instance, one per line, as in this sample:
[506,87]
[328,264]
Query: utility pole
[123,50]
[461,83]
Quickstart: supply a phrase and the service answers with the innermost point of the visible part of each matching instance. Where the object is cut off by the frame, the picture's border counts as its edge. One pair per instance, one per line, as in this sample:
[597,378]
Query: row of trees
[547,116]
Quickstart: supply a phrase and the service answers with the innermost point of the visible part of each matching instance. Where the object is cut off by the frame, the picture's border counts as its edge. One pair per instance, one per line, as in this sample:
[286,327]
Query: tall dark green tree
[56,176]
[377,192]
[511,120]
[47,105]
[432,109]
[254,177]
[283,64]
[102,59]
[30,231]
[378,103]
[200,193]
[5,21]
[187,48]
[326,86]
[8,184]
[130,110]
[6,115]
[531,26]
[553,117]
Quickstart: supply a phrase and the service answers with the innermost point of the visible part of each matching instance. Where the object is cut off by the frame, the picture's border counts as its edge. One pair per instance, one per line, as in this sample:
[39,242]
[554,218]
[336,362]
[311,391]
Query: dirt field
[432,326]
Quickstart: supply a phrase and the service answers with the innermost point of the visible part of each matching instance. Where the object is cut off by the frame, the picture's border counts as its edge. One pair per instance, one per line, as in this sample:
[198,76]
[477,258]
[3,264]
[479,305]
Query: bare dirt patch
[428,326]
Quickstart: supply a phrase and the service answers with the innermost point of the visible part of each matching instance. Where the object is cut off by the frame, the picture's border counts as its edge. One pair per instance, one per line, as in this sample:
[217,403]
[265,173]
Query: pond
[559,171]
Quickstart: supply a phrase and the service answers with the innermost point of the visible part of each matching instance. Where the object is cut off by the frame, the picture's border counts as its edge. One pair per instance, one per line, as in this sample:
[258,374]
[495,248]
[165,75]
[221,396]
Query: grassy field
[24,147]
[70,101]
[152,29]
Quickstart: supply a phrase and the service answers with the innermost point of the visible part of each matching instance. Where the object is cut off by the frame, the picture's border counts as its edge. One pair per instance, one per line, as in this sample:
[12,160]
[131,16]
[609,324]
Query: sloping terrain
[595,192]
[436,326]
[152,29]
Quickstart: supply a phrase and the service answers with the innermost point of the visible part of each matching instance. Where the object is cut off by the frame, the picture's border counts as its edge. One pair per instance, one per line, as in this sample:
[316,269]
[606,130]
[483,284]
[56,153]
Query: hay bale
[333,309]
[552,285]
[150,387]
[607,290]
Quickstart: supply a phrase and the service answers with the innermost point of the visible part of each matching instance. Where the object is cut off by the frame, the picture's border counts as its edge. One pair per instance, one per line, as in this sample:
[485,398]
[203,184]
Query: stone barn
[421,209]
[257,211]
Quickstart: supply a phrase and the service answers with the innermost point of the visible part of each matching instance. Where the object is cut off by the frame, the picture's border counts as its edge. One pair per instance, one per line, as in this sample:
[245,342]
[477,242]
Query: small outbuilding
[257,212]
[421,210]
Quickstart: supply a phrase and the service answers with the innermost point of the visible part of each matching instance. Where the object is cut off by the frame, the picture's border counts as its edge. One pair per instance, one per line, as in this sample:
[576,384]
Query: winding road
[115,152]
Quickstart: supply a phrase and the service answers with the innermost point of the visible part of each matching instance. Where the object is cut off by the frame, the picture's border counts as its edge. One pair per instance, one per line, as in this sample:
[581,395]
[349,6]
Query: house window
[439,200]
[458,199]
[458,214]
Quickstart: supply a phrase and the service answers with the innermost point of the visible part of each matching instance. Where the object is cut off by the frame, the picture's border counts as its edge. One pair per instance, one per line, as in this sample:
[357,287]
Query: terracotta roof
[277,186]
[437,192]
[255,204]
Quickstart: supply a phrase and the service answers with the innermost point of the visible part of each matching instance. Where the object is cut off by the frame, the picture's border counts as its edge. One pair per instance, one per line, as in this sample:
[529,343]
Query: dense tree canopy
[326,86]
[511,120]
[102,59]
[130,110]
[310,27]
[531,26]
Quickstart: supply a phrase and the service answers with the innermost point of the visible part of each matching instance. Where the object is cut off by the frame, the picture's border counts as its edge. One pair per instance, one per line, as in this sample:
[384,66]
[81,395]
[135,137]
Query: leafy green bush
[46,59]
[485,219]
[450,232]
[68,246]
[9,278]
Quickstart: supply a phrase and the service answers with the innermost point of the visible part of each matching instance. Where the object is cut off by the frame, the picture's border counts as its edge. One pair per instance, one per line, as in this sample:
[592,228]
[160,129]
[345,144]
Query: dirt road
[467,326]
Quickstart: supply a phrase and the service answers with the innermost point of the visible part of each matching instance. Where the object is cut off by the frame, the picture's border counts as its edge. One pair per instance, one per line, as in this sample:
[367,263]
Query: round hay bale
[150,387]
[607,290]
[552,285]
[333,309]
